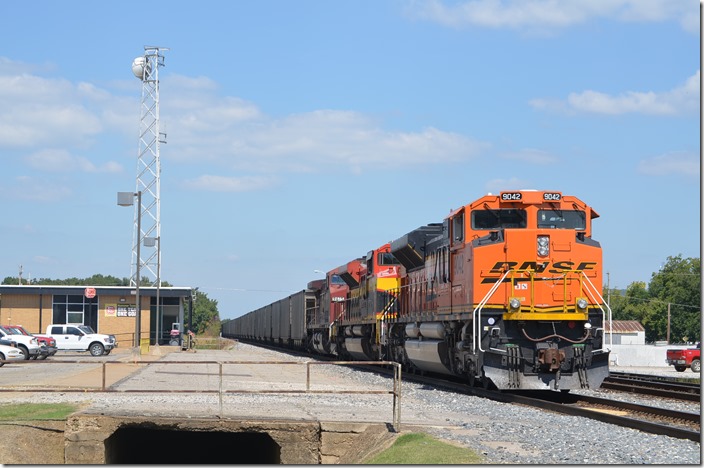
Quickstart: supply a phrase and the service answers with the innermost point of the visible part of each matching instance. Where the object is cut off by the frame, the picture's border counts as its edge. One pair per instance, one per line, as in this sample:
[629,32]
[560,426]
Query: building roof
[146,291]
[625,326]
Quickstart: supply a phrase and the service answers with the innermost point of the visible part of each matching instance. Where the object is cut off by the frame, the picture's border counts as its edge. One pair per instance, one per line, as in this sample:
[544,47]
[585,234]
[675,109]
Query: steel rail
[623,421]
[649,386]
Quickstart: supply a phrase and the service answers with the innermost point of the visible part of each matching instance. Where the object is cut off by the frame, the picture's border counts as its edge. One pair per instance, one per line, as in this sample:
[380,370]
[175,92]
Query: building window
[75,309]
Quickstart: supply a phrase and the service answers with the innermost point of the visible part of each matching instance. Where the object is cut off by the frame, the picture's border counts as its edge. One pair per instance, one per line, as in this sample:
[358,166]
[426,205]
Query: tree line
[674,290]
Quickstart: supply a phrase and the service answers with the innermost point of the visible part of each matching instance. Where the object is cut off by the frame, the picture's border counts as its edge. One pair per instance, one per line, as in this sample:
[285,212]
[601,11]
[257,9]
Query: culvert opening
[140,445]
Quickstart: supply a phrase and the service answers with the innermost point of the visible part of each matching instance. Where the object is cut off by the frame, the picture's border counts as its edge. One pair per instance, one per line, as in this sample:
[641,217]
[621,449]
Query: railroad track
[677,424]
[653,420]
[653,385]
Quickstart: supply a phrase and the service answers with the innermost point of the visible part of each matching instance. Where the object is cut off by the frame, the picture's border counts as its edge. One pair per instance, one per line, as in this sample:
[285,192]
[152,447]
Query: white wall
[624,355]
[636,338]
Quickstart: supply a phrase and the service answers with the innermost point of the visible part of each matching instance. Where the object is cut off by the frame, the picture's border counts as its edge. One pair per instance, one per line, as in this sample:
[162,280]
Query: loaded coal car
[505,292]
[282,323]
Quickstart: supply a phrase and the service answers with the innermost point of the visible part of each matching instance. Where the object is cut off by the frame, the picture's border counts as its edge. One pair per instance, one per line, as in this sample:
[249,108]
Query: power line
[659,301]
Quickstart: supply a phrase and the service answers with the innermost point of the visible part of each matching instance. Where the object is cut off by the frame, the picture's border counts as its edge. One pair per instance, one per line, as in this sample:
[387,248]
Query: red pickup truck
[684,358]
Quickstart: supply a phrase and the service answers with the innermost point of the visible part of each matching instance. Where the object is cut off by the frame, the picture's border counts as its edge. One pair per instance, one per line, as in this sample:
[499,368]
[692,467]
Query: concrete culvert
[154,445]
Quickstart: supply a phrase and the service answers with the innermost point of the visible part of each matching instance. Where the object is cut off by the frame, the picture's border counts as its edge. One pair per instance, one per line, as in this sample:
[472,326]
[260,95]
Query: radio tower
[146,68]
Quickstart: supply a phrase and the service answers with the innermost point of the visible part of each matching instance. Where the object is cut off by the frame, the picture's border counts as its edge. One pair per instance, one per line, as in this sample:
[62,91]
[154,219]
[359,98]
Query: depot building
[111,310]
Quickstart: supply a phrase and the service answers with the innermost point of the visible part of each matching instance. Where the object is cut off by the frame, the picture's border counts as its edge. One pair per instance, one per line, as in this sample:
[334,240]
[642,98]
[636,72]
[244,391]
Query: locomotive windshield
[562,219]
[498,219]
[336,280]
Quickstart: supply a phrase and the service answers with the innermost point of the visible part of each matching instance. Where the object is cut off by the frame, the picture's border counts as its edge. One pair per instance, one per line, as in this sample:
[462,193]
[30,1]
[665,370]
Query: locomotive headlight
[514,303]
[543,246]
[582,303]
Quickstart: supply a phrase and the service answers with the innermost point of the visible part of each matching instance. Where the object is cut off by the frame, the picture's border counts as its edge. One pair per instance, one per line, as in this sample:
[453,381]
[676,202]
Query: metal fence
[108,385]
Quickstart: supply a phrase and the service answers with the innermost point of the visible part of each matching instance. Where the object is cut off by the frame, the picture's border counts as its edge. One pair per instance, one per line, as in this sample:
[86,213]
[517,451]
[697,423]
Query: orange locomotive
[508,291]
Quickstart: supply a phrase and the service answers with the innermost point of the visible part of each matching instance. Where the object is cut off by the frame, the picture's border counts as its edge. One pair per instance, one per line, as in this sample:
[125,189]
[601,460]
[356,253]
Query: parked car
[47,343]
[28,345]
[684,358]
[9,352]
[81,338]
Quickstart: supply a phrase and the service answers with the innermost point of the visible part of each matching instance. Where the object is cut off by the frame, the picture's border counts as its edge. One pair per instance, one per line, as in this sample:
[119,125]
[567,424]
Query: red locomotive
[506,291]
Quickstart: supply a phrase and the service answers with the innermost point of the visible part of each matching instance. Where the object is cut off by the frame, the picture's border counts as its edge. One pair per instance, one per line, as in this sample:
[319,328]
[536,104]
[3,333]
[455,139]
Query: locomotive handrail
[478,312]
[599,300]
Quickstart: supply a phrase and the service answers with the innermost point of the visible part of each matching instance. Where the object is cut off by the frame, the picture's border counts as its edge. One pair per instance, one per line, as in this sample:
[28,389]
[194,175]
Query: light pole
[151,242]
[127,199]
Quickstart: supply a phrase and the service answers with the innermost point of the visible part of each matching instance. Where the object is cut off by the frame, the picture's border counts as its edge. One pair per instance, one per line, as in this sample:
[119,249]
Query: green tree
[206,318]
[677,284]
[632,304]
[95,280]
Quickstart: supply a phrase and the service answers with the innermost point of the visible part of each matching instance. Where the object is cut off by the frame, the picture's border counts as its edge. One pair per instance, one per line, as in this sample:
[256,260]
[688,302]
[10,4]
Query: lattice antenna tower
[146,68]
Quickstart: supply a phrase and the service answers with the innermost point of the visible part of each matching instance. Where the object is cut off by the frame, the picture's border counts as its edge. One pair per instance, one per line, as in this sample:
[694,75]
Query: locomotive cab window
[337,280]
[458,227]
[562,219]
[387,258]
[491,220]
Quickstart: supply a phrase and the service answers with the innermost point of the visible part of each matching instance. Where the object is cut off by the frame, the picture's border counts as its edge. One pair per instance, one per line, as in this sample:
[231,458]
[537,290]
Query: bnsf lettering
[557,267]
[535,266]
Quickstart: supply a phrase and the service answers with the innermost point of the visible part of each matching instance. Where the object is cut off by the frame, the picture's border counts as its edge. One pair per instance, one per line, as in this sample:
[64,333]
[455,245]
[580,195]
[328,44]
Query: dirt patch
[32,442]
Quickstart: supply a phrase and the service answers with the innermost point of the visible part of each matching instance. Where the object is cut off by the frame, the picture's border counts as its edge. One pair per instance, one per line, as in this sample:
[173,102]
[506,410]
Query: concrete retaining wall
[640,355]
[89,439]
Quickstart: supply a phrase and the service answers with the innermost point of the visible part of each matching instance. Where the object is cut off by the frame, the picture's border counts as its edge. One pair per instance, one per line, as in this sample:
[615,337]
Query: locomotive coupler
[552,358]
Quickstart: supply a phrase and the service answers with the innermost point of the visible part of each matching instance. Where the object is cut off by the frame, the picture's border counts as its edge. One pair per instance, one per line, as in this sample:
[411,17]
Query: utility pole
[608,289]
[668,323]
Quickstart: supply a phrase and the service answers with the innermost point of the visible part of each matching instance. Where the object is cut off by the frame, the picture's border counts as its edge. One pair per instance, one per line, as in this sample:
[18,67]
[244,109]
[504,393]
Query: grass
[36,411]
[421,449]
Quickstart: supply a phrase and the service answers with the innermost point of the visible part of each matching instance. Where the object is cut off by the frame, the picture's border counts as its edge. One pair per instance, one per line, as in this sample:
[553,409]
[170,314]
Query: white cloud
[237,135]
[675,163]
[33,189]
[680,100]
[213,183]
[501,185]
[319,140]
[58,160]
[548,15]
[530,155]
[36,111]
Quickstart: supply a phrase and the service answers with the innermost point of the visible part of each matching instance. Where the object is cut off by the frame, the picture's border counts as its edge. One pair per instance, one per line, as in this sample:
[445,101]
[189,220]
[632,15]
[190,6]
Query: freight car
[505,292]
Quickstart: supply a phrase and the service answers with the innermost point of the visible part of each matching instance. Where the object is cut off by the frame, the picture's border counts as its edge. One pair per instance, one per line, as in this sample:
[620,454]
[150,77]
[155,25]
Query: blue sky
[302,134]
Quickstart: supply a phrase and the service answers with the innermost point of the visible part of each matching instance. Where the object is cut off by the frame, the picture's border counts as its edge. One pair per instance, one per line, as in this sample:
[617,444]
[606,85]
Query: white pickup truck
[28,345]
[81,338]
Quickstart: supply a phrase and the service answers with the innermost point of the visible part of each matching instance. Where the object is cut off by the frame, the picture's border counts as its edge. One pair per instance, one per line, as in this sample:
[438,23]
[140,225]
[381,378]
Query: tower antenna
[146,69]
